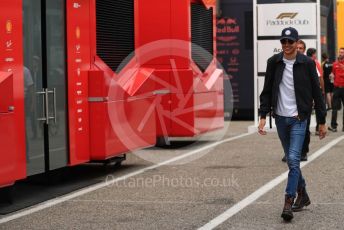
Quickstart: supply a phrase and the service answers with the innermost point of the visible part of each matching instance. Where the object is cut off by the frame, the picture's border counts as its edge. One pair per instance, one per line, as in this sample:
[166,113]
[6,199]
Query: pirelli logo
[287,15]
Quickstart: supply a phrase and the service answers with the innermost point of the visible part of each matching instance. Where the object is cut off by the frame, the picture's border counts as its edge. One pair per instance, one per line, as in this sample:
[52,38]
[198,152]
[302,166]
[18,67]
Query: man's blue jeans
[291,132]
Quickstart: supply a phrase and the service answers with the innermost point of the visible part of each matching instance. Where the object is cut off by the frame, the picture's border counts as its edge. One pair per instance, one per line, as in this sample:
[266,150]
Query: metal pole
[318,30]
[255,60]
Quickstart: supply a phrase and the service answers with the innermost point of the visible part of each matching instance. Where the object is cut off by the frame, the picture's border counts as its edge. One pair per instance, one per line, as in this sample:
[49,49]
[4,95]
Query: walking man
[291,84]
[301,48]
[338,91]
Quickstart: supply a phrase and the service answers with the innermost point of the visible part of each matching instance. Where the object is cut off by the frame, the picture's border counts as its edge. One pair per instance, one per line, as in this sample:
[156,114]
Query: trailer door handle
[54,98]
[45,105]
[44,118]
[46,94]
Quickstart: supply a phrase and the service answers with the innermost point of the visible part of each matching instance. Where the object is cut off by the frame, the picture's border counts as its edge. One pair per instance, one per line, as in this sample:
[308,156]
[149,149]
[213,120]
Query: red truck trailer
[77,83]
[180,42]
[57,64]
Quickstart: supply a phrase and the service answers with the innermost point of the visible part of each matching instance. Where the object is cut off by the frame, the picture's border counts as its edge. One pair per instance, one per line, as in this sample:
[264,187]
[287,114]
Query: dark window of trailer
[115,32]
[202,35]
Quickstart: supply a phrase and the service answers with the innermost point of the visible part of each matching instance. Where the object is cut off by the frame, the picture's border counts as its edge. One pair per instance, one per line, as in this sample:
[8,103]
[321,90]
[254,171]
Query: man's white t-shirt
[286,104]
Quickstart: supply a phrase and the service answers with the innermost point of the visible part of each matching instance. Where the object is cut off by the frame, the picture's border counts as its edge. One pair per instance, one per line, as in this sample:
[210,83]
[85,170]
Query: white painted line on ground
[264,189]
[92,188]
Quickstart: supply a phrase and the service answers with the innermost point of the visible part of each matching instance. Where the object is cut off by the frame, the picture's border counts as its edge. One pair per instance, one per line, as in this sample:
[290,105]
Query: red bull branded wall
[235,54]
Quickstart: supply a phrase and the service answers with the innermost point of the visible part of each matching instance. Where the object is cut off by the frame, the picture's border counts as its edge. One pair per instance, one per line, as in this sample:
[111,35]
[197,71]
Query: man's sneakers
[333,129]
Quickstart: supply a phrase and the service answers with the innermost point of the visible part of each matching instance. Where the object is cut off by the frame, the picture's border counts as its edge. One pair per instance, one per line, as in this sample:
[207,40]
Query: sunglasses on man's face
[285,41]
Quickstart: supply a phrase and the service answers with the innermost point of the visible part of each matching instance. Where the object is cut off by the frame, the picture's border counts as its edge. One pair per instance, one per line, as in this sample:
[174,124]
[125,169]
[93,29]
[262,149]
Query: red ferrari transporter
[177,39]
[68,93]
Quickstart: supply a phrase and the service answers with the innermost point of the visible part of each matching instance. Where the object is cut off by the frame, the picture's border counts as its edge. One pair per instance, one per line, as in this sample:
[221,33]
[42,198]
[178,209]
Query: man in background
[312,53]
[338,91]
[328,81]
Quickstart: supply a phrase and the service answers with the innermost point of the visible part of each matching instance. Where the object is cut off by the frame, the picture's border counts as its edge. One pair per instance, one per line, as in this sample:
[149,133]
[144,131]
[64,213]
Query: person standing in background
[328,83]
[301,46]
[338,91]
[312,53]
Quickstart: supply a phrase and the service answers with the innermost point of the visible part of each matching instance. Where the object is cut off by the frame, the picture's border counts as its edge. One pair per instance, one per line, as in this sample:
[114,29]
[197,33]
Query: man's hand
[322,131]
[261,126]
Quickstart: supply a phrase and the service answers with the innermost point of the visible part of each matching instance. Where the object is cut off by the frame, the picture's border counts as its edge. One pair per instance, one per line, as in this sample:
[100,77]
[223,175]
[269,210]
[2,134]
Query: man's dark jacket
[306,85]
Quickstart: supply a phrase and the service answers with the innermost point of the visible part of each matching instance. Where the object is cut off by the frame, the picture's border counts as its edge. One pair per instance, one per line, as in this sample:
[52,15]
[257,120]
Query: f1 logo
[287,15]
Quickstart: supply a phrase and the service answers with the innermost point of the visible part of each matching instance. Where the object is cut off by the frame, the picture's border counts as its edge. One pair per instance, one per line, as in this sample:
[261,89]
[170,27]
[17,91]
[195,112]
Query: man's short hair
[311,51]
[302,42]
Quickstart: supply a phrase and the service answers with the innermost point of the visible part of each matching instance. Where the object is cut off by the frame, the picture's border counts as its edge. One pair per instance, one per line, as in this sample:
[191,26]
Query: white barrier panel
[273,18]
[267,48]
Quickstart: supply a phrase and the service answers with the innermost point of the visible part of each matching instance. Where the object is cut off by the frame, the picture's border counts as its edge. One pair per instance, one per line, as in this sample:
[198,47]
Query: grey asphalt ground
[189,195]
